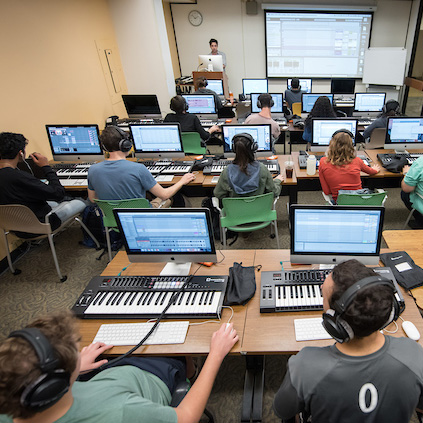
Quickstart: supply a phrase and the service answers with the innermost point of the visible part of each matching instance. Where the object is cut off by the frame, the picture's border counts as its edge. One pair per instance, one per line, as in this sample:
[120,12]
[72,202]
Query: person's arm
[369,170]
[323,182]
[166,193]
[273,185]
[368,131]
[89,354]
[307,133]
[407,178]
[91,195]
[192,406]
[221,189]
[205,135]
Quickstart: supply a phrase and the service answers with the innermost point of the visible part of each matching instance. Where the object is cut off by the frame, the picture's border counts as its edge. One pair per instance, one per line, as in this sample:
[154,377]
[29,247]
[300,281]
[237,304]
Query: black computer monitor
[262,134]
[332,234]
[323,129]
[203,105]
[216,85]
[308,100]
[141,106]
[304,83]
[342,86]
[161,140]
[277,100]
[369,102]
[167,235]
[75,142]
[404,133]
[254,85]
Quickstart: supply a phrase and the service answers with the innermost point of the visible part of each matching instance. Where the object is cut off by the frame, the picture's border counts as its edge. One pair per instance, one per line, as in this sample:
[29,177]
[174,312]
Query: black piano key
[111,298]
[194,297]
[189,297]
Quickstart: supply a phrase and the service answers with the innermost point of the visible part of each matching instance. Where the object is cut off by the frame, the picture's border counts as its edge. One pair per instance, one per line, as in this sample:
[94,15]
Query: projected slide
[316,44]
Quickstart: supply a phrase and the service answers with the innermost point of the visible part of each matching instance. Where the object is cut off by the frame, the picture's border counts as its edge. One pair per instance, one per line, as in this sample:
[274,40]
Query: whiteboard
[384,65]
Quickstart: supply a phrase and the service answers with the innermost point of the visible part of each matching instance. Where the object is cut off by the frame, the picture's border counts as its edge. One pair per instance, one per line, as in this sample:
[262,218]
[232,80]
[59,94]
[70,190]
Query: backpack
[92,217]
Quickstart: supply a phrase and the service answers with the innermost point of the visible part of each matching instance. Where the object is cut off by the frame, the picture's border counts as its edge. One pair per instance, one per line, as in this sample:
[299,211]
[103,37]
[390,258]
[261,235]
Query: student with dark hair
[245,176]
[201,84]
[365,376]
[341,168]
[293,95]
[321,108]
[188,121]
[265,103]
[18,187]
[136,390]
[215,51]
[391,108]
[119,179]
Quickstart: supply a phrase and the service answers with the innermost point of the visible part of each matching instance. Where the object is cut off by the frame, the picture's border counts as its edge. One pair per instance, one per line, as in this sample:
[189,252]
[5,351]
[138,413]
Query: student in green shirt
[411,187]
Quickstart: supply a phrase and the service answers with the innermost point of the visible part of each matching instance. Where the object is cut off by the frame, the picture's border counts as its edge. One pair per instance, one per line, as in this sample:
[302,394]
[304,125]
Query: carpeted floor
[37,290]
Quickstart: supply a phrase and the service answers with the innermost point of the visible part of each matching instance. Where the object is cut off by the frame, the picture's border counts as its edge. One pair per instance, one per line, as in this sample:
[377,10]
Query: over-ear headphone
[333,321]
[344,131]
[174,102]
[272,103]
[251,144]
[53,383]
[125,144]
[391,105]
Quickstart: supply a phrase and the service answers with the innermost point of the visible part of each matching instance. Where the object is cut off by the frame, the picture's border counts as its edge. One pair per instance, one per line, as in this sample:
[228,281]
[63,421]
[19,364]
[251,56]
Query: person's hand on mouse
[187,178]
[222,341]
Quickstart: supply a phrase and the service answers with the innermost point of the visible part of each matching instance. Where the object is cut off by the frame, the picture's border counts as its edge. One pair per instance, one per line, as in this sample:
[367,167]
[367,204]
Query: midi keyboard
[218,165]
[71,170]
[387,158]
[168,167]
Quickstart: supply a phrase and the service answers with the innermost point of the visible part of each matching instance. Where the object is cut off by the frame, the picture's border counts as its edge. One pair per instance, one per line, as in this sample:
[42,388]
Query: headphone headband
[125,144]
[344,131]
[252,145]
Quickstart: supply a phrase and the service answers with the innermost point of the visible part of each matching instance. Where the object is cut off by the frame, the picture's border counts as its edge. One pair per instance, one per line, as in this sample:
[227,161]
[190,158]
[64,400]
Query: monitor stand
[176,269]
[401,151]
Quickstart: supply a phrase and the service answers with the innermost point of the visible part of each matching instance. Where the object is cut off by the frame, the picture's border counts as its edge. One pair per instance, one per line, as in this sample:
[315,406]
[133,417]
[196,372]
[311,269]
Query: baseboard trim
[16,253]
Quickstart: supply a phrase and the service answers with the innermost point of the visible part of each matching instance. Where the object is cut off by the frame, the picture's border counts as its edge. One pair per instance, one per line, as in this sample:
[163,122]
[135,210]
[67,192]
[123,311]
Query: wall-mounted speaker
[251,7]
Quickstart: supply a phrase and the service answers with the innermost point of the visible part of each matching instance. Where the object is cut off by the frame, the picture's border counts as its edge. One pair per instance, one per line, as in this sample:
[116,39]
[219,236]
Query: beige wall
[172,41]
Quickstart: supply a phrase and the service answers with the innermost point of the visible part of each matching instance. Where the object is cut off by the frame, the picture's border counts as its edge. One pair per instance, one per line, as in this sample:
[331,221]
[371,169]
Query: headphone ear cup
[186,106]
[272,103]
[125,145]
[258,103]
[206,83]
[337,327]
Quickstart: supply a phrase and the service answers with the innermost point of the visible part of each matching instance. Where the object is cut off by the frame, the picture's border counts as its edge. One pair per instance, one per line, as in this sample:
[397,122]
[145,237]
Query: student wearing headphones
[265,103]
[341,168]
[18,187]
[294,94]
[321,108]
[188,122]
[391,108]
[39,366]
[119,179]
[365,376]
[201,84]
[245,176]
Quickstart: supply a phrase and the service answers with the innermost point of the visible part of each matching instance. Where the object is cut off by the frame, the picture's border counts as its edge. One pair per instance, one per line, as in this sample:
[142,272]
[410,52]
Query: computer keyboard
[310,329]
[208,122]
[73,182]
[218,165]
[365,122]
[133,333]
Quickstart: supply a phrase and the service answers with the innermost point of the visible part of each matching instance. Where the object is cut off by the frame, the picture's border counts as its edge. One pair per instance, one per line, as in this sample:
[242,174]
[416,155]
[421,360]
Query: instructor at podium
[214,51]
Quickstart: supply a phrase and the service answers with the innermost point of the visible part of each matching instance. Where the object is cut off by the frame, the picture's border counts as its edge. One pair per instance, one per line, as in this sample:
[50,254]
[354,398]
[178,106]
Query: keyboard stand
[252,400]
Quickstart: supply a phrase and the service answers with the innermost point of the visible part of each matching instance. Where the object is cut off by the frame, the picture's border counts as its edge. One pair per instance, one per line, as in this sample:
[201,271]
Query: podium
[214,75]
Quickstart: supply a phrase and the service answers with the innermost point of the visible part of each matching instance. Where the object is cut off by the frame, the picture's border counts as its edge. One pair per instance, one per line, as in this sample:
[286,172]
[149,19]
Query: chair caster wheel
[63,279]
[17,272]
[272,236]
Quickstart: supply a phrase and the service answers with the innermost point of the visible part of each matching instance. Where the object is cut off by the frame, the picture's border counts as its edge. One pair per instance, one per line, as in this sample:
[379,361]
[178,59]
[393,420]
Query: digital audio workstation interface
[201,103]
[216,85]
[156,138]
[369,102]
[308,101]
[170,232]
[260,133]
[74,139]
[323,129]
[276,108]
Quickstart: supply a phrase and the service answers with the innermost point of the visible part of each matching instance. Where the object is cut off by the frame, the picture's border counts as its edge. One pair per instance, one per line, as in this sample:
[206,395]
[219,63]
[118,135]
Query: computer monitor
[254,86]
[404,133]
[304,83]
[308,100]
[203,105]
[75,142]
[141,106]
[216,85]
[323,129]
[262,134]
[277,99]
[167,235]
[333,234]
[215,60]
[157,141]
[342,86]
[369,102]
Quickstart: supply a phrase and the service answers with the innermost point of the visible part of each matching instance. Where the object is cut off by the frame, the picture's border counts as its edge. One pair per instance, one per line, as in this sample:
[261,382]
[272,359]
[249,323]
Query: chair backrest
[107,207]
[297,108]
[191,143]
[16,217]
[377,138]
[240,210]
[375,199]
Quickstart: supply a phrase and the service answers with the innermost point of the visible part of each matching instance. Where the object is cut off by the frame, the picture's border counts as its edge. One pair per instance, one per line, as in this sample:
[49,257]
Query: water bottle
[311,165]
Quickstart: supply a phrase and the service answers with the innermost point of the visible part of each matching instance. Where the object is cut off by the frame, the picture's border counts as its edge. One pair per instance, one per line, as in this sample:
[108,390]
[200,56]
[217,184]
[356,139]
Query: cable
[396,327]
[123,269]
[216,321]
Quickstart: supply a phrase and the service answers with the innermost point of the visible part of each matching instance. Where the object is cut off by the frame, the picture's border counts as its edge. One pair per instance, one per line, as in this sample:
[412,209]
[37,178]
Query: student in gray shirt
[365,376]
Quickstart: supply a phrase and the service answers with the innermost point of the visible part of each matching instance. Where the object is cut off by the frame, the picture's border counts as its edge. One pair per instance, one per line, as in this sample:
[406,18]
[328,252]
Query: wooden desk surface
[198,337]
[273,333]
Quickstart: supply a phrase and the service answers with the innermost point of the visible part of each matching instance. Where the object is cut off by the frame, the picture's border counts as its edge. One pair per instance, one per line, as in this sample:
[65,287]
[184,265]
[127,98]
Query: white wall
[241,37]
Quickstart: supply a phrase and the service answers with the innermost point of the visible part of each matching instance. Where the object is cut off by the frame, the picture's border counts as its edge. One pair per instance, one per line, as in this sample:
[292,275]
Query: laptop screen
[201,104]
[141,104]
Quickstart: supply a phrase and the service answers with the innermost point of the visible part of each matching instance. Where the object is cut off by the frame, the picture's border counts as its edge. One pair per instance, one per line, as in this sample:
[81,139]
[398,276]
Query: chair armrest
[215,202]
[179,393]
[274,203]
[328,198]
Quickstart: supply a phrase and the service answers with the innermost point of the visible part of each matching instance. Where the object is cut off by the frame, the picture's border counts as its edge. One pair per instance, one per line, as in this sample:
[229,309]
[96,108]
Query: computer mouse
[284,128]
[410,330]
[228,325]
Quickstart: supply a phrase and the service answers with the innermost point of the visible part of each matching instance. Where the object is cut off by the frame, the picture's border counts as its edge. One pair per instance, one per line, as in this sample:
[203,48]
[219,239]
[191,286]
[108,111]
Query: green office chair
[376,199]
[109,221]
[191,142]
[247,214]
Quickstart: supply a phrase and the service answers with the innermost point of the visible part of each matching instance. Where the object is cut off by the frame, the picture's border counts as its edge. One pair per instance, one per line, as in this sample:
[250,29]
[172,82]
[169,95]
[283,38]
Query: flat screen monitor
[308,100]
[342,86]
[323,129]
[216,85]
[203,105]
[74,142]
[167,235]
[214,60]
[404,133]
[369,102]
[333,234]
[254,86]
[157,141]
[305,85]
[262,134]
[141,106]
[277,100]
